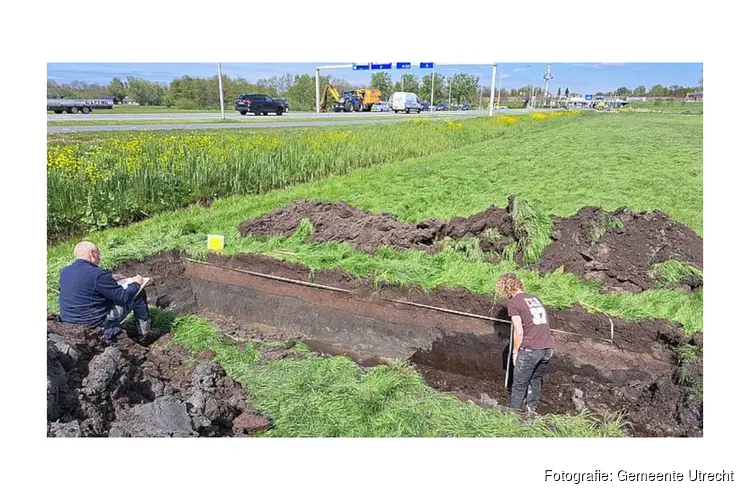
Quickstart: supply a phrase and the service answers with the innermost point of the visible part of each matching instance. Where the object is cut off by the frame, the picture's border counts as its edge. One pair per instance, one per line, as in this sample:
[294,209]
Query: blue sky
[579,77]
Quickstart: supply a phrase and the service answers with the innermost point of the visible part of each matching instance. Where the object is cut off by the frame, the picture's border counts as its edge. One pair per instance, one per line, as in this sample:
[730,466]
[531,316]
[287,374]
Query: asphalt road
[288,120]
[93,117]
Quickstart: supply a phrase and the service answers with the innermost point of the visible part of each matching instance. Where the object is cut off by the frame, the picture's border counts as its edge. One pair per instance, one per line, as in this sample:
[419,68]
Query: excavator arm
[324,100]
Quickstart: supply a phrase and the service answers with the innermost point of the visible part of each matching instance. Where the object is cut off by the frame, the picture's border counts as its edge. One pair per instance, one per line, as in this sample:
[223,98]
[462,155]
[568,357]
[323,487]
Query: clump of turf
[531,227]
[492,234]
[674,272]
[468,246]
[607,223]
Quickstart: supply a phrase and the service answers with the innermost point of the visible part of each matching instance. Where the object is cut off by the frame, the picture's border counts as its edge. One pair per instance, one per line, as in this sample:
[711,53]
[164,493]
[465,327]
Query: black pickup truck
[258,103]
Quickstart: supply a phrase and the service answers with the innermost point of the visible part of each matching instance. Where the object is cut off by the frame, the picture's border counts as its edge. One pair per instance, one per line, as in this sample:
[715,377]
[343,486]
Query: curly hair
[508,283]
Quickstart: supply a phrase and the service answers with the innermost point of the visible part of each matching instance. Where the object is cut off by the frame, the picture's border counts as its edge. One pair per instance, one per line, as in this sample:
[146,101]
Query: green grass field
[644,161]
[670,106]
[112,179]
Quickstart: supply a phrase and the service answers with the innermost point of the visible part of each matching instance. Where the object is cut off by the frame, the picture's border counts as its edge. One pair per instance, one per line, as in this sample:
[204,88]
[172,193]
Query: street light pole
[317,90]
[450,86]
[432,91]
[221,93]
[492,88]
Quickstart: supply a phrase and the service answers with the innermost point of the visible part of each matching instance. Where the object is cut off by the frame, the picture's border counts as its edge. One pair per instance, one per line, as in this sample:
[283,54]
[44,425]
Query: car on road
[282,101]
[425,105]
[258,103]
[465,107]
[380,106]
[441,106]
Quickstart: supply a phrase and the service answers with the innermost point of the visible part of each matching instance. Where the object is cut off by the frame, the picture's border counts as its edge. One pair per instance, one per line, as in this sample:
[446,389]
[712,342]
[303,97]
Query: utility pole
[432,91]
[492,88]
[221,94]
[450,85]
[500,86]
[317,90]
[547,77]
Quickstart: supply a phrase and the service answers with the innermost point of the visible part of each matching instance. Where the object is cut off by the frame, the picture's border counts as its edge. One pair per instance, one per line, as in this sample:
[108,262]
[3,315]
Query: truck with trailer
[75,106]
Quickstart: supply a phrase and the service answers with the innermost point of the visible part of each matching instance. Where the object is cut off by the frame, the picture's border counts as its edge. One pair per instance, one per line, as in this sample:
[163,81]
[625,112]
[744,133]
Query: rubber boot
[144,329]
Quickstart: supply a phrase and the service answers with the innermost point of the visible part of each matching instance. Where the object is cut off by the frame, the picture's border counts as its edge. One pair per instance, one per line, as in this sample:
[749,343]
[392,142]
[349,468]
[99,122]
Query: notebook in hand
[127,281]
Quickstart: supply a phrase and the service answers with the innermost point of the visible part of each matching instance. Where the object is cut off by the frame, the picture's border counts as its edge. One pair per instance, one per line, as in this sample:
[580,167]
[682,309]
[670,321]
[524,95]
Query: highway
[209,121]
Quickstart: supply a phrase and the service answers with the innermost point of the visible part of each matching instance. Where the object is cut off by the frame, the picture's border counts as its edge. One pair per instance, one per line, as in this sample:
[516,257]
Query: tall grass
[97,184]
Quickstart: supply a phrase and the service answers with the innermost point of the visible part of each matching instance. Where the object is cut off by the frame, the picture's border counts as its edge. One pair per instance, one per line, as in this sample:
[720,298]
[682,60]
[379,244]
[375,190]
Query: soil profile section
[635,374]
[463,355]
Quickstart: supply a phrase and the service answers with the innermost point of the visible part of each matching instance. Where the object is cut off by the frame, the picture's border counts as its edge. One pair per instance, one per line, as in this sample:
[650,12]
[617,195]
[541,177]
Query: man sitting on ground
[90,295]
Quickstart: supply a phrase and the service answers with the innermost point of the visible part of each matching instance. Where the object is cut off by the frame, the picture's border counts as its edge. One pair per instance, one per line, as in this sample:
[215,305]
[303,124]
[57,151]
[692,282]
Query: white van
[405,101]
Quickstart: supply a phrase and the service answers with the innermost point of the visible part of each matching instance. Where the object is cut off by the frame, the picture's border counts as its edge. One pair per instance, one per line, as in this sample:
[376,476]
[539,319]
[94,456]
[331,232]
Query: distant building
[694,96]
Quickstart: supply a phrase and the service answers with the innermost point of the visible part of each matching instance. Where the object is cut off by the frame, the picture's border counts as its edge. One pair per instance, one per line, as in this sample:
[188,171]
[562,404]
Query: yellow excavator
[350,100]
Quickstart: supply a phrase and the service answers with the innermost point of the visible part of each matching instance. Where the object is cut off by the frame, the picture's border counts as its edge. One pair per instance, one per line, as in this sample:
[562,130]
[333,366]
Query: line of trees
[189,92]
[193,93]
[299,90]
[655,91]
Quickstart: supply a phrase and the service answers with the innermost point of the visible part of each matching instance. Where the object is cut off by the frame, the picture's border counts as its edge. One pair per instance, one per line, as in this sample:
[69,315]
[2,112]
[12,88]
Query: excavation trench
[465,355]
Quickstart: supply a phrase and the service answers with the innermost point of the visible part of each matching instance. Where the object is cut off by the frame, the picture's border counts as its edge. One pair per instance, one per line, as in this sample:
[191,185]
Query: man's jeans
[118,313]
[527,377]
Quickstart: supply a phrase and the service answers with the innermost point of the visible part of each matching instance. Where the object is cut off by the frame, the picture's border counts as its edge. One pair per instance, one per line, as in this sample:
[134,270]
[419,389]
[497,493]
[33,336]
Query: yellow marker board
[215,242]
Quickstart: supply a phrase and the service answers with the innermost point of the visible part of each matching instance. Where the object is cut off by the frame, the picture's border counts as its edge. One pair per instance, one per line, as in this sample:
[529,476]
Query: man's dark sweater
[88,293]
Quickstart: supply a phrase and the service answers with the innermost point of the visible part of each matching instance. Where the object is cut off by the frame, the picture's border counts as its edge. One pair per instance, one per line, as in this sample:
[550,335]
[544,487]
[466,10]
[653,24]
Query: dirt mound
[368,231]
[122,388]
[614,249]
[618,249]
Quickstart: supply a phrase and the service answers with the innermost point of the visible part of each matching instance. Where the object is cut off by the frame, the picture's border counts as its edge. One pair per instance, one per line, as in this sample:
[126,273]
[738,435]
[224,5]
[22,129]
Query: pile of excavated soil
[124,389]
[619,258]
[368,231]
[622,258]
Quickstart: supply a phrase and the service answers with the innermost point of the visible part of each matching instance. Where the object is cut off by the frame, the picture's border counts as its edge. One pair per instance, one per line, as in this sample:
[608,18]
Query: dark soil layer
[622,257]
[636,375]
[614,249]
[124,389]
